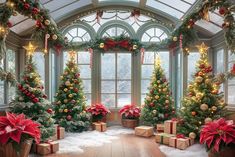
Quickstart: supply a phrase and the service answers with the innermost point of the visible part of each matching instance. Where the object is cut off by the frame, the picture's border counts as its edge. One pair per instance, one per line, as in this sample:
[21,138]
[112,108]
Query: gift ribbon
[51,146]
[58,132]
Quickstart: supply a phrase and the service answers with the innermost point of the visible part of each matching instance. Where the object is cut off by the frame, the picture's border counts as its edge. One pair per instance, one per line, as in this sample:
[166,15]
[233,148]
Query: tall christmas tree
[203,101]
[158,103]
[31,100]
[70,105]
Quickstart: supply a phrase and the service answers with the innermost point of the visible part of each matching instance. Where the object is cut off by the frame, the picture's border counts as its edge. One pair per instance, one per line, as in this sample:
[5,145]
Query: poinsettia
[217,134]
[17,128]
[98,109]
[130,111]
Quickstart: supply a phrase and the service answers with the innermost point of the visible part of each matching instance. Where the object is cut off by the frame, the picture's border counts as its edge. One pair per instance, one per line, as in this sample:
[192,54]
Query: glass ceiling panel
[137,1]
[209,26]
[56,4]
[190,1]
[177,4]
[216,19]
[162,7]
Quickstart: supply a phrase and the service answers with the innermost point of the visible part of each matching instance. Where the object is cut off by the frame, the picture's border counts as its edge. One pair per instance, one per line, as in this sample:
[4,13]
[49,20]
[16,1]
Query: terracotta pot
[130,123]
[226,152]
[7,150]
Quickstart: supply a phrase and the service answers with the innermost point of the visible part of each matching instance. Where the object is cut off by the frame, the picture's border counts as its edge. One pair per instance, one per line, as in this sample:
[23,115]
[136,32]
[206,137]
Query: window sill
[3,107]
[231,108]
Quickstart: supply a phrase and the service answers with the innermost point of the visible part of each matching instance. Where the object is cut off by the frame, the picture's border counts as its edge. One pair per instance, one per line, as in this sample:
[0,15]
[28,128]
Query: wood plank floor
[125,146]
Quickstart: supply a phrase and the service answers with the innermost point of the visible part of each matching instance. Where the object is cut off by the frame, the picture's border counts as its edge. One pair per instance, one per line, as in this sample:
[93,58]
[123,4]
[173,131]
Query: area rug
[195,150]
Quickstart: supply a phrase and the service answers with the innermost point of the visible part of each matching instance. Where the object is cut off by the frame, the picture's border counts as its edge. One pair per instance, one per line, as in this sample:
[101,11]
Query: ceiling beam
[142,3]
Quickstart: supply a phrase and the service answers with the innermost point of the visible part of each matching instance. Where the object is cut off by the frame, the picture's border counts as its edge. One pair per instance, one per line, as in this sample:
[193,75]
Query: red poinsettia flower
[130,111]
[98,109]
[13,127]
[218,133]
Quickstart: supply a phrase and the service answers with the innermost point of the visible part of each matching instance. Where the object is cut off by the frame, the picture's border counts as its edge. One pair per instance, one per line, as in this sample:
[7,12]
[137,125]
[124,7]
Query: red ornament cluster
[28,93]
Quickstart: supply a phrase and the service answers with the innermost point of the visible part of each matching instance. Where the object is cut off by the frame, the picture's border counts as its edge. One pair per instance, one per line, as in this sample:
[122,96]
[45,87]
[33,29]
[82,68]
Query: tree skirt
[75,142]
[195,150]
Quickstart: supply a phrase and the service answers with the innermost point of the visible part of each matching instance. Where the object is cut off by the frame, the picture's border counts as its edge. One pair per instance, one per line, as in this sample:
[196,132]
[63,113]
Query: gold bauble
[199,95]
[154,112]
[164,89]
[204,107]
[157,97]
[208,120]
[66,110]
[66,89]
[207,81]
[54,37]
[199,79]
[134,47]
[101,45]
[70,95]
[167,101]
[175,38]
[192,135]
[158,81]
[160,90]
[47,22]
[214,108]
[67,83]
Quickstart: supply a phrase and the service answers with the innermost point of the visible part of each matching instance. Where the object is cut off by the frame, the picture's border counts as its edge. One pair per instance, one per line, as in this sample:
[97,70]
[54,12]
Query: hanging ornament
[192,135]
[134,47]
[167,101]
[38,24]
[35,10]
[47,36]
[204,107]
[50,111]
[70,95]
[175,39]
[157,97]
[222,10]
[47,22]
[26,6]
[154,112]
[10,4]
[54,37]
[199,79]
[208,120]
[69,117]
[101,45]
[214,108]
[193,113]
[67,83]
[66,89]
[66,110]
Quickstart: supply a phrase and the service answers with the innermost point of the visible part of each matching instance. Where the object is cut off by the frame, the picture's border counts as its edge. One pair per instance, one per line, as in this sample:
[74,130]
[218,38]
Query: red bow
[180,136]
[109,44]
[233,69]
[174,119]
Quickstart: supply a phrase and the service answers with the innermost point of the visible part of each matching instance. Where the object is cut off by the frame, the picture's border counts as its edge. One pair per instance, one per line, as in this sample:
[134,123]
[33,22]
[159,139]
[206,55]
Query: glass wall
[193,57]
[39,60]
[231,82]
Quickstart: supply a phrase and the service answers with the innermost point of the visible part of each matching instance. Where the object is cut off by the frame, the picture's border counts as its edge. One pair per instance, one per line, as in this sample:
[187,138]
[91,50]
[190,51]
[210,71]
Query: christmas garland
[185,35]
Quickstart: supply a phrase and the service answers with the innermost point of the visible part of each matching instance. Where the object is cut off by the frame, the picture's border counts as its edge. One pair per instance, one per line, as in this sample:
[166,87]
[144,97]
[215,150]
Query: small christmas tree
[70,105]
[158,103]
[203,102]
[32,101]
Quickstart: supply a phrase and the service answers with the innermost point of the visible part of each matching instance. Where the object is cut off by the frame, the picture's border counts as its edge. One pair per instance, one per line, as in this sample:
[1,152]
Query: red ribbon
[174,119]
[110,43]
[47,36]
[51,145]
[180,136]
[91,56]
[142,50]
[58,132]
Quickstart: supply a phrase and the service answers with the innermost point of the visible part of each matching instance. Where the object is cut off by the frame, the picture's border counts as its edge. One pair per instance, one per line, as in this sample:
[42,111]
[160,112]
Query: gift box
[46,148]
[99,126]
[160,128]
[180,143]
[145,131]
[170,127]
[163,138]
[59,133]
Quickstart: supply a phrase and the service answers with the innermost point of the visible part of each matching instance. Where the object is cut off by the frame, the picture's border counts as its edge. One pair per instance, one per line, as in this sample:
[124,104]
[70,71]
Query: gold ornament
[66,110]
[193,113]
[65,100]
[214,108]
[158,81]
[199,95]
[30,49]
[207,81]
[202,48]
[164,89]
[101,45]
[215,91]
[47,22]
[175,38]
[157,97]
[72,54]
[192,135]
[70,87]
[70,95]
[157,62]
[54,37]
[66,89]
[61,77]
[204,107]
[134,47]
[67,83]
[167,101]
[208,120]
[154,112]
[199,79]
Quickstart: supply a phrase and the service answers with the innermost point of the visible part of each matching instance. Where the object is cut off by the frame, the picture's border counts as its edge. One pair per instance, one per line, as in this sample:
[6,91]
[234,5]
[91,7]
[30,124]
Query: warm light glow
[72,54]
[30,49]
[202,48]
[158,61]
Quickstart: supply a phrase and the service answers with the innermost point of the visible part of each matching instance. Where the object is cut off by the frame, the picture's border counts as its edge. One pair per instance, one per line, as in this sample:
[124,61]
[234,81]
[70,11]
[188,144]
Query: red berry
[49,111]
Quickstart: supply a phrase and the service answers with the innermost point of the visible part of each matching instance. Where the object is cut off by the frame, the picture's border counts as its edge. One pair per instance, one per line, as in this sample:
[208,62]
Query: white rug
[195,150]
[75,142]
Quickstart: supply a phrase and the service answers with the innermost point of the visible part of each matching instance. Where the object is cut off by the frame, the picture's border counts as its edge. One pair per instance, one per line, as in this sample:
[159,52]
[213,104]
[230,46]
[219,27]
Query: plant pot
[226,152]
[99,118]
[130,123]
[7,150]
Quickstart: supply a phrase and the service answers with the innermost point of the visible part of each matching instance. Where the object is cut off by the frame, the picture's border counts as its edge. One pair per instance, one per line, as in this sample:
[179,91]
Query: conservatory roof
[172,10]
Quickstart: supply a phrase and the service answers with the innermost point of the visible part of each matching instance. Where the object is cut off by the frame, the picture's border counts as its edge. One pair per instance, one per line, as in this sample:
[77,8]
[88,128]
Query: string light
[72,54]
[158,61]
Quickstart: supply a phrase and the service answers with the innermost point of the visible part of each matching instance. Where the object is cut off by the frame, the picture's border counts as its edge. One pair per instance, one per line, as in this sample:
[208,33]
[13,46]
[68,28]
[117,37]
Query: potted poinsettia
[98,112]
[17,134]
[219,138]
[130,115]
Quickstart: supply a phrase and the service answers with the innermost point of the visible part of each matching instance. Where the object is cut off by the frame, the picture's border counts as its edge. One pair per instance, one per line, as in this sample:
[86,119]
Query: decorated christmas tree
[203,101]
[31,99]
[70,105]
[158,105]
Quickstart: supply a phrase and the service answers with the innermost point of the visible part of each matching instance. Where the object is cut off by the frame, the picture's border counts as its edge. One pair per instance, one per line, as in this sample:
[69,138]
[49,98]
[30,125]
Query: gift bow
[180,136]
[109,43]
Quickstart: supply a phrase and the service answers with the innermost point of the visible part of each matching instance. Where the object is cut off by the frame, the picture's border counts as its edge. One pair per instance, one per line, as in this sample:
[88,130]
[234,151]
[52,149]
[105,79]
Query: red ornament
[28,94]
[35,10]
[35,100]
[151,104]
[32,96]
[75,90]
[77,75]
[38,24]
[20,86]
[191,22]
[44,96]
[49,111]
[69,117]
[222,10]
[9,24]
[26,5]
[166,115]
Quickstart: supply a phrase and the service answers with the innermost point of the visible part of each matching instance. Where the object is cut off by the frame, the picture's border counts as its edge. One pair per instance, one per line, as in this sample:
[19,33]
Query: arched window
[78,34]
[153,35]
[115,31]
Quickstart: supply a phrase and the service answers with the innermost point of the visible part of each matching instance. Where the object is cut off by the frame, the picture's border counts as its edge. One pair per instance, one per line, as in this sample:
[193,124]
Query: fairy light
[72,54]
[158,61]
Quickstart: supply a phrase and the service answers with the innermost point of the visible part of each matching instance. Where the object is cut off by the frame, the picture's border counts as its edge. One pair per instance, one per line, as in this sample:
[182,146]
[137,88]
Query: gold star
[30,49]
[72,54]
[158,61]
[202,48]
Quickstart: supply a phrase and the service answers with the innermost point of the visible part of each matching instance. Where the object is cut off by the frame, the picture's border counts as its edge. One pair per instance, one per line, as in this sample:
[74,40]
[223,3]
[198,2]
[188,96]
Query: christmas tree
[32,101]
[158,103]
[203,101]
[70,105]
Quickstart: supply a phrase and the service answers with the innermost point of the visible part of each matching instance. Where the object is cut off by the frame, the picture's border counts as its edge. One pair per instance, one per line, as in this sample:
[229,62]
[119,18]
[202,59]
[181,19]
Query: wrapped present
[99,126]
[160,128]
[170,126]
[180,142]
[145,131]
[59,133]
[163,138]
[46,148]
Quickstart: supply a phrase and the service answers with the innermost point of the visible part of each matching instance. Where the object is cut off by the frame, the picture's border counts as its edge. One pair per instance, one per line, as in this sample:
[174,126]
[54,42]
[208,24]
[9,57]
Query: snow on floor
[75,142]
[195,150]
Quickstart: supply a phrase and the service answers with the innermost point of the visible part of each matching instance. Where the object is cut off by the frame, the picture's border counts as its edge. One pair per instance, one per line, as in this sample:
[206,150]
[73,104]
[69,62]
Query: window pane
[192,60]
[108,66]
[88,97]
[144,86]
[39,59]
[108,100]
[165,62]
[220,61]
[149,58]
[124,66]
[53,76]
[11,66]
[123,99]
[107,86]
[124,86]
[83,58]
[87,86]
[147,71]
[231,96]
[85,71]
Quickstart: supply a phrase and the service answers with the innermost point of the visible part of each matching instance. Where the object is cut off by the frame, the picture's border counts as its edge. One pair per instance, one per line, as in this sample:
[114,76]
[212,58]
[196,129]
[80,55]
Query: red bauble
[191,22]
[28,94]
[75,90]
[20,86]
[26,5]
[35,100]
[166,115]
[222,10]
[9,24]
[78,75]
[32,96]
[69,117]
[38,23]
[49,111]
[151,104]
[35,10]
[44,96]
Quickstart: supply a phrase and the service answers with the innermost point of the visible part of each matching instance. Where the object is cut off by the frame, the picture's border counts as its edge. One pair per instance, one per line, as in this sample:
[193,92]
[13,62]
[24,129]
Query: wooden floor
[126,146]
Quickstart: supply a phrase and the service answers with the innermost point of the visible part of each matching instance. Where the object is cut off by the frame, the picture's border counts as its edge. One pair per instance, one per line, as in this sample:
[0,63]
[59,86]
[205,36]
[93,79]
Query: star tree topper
[202,48]
[30,49]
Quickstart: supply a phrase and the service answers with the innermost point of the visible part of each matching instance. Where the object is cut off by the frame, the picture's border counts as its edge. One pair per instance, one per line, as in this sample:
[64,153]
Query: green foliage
[70,101]
[203,101]
[159,105]
[31,100]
